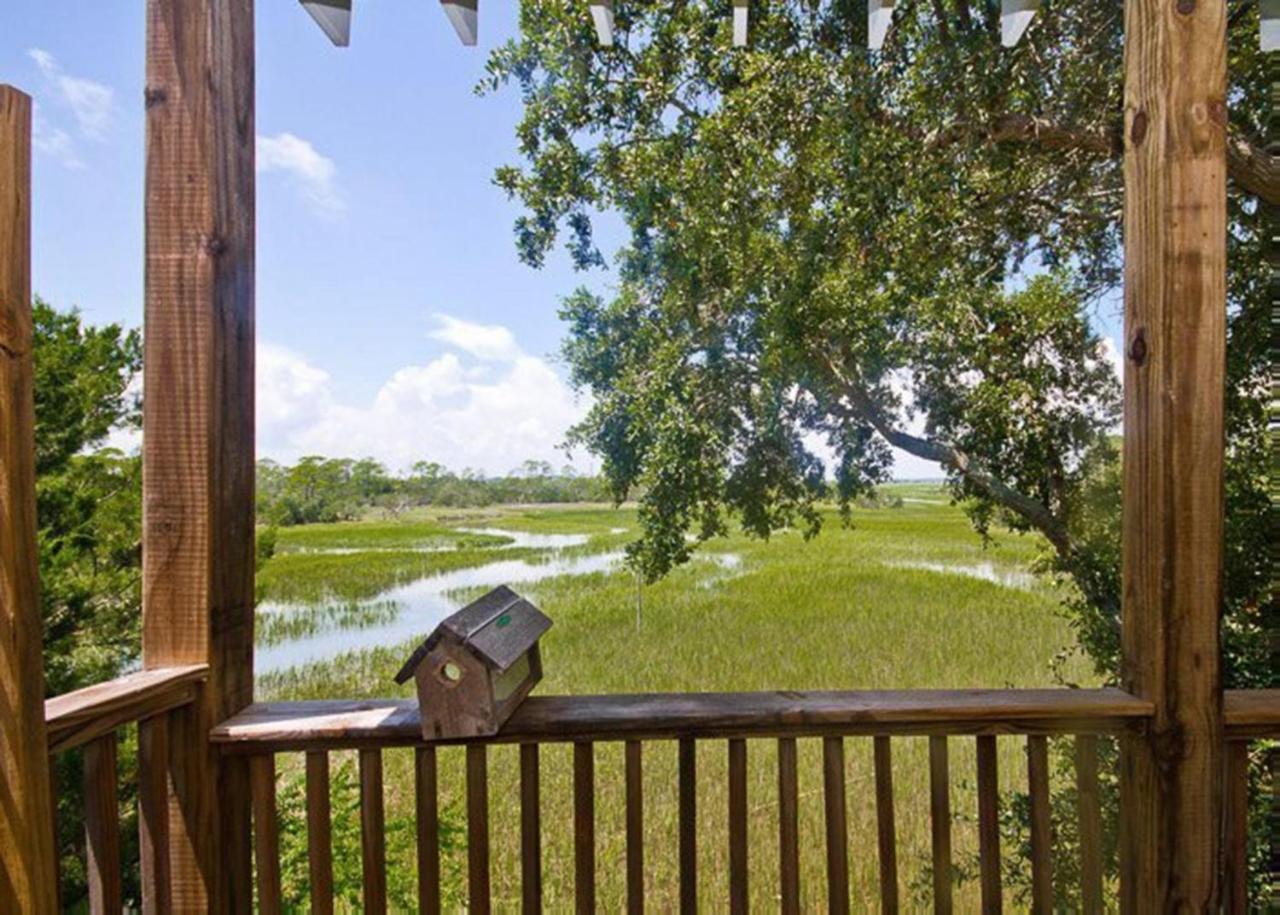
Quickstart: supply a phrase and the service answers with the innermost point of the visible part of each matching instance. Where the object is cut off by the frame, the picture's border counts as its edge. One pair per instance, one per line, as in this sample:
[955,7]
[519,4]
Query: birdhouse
[477,666]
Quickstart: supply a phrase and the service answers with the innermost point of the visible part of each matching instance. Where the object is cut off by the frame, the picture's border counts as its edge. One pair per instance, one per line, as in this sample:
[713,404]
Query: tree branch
[1251,167]
[862,406]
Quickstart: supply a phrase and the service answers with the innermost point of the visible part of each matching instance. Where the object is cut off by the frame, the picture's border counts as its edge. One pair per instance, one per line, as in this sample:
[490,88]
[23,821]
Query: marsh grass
[311,578]
[832,613]
[379,535]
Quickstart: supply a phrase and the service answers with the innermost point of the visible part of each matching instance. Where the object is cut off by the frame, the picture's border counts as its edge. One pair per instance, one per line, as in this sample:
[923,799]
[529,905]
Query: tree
[88,502]
[829,242]
[89,507]
[901,248]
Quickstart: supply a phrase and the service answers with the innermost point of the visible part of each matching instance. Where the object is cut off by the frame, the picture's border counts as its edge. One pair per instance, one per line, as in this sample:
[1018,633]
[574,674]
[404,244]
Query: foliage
[88,507]
[859,249]
[324,490]
[348,880]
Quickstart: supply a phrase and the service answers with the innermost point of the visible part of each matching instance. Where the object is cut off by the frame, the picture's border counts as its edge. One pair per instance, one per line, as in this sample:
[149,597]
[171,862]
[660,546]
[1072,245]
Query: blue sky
[394,318]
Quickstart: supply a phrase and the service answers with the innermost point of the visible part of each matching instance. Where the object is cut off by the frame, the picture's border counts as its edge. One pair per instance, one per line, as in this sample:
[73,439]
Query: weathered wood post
[198,425]
[1175,316]
[28,870]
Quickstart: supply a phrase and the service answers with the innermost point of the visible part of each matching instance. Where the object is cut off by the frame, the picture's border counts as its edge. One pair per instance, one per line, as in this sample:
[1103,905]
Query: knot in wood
[1138,347]
[153,96]
[1186,7]
[1138,132]
[213,245]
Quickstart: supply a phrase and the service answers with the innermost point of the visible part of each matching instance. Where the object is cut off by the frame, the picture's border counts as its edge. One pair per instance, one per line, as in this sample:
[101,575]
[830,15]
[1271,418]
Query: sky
[394,318]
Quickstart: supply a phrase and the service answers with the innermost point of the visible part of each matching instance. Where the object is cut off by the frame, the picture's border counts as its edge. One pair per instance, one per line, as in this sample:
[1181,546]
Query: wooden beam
[76,718]
[741,23]
[28,881]
[602,18]
[198,455]
[1175,319]
[284,726]
[464,16]
[1015,19]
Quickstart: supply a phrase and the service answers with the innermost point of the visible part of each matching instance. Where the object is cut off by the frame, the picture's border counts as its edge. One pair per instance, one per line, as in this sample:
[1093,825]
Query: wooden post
[1175,316]
[198,445]
[28,881]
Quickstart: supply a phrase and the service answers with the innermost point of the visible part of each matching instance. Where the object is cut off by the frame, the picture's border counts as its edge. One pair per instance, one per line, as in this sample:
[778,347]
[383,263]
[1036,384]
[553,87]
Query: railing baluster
[319,833]
[940,816]
[989,825]
[635,829]
[1089,811]
[584,827]
[1041,825]
[266,844]
[788,826]
[373,841]
[153,815]
[428,811]
[886,828]
[1236,839]
[530,830]
[837,826]
[102,825]
[739,895]
[478,828]
[688,826]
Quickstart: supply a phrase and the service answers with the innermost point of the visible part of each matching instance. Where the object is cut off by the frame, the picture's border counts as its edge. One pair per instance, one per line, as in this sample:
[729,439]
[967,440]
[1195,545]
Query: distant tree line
[319,489]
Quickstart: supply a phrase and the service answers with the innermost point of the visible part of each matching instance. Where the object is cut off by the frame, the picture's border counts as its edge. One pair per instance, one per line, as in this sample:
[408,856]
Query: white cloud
[489,342]
[314,175]
[1111,353]
[91,103]
[489,418]
[53,142]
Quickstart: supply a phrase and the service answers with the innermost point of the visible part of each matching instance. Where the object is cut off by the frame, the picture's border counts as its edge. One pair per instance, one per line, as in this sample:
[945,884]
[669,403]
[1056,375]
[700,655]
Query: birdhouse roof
[498,628]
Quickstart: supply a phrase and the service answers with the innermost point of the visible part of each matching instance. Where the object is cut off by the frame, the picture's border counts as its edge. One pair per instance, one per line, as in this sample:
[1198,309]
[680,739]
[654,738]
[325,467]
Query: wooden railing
[92,718]
[370,727]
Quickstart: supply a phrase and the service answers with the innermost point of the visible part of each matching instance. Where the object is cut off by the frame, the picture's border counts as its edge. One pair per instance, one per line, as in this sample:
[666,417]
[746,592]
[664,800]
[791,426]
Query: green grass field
[909,597]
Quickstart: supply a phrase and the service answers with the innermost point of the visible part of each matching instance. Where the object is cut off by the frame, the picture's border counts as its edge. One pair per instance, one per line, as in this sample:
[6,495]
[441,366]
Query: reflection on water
[422,605]
[526,539]
[1010,578]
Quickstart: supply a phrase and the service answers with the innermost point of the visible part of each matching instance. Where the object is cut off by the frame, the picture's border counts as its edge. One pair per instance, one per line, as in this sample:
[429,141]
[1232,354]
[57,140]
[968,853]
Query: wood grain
[1252,714]
[153,815]
[940,823]
[687,765]
[319,833]
[1041,825]
[102,826]
[428,812]
[1236,830]
[886,828]
[530,830]
[266,832]
[989,826]
[788,827]
[28,868]
[1089,815]
[584,828]
[478,829]
[554,719]
[1175,233]
[635,827]
[76,718]
[833,794]
[373,832]
[198,452]
[739,895]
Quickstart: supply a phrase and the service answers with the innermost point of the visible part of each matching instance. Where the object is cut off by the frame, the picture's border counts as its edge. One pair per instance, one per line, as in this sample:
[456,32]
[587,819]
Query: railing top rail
[1252,713]
[280,726]
[76,718]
